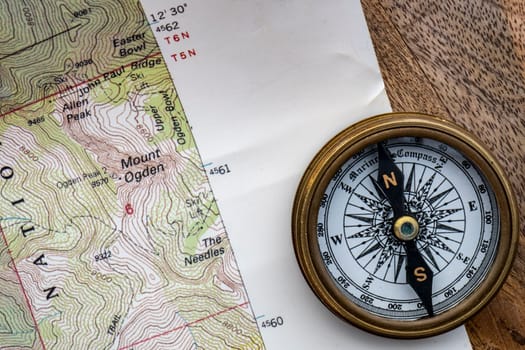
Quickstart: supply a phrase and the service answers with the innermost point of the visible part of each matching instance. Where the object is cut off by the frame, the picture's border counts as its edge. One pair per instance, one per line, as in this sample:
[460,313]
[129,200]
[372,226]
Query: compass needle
[419,276]
[406,227]
[390,180]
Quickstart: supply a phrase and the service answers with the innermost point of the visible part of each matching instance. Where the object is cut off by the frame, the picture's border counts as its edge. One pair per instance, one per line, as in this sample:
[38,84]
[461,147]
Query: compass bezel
[322,169]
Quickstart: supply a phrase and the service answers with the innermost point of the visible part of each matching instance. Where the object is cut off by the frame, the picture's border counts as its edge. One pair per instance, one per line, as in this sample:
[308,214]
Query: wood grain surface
[465,61]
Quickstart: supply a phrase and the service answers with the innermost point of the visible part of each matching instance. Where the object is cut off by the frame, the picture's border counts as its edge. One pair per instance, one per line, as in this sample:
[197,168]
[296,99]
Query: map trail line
[70,87]
[40,42]
[23,289]
[189,324]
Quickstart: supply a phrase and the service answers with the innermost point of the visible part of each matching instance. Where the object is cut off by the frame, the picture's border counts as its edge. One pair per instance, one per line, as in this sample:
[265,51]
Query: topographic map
[110,236]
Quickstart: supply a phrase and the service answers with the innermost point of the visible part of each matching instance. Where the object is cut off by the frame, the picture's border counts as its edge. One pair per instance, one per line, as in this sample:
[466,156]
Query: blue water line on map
[29,331]
[23,219]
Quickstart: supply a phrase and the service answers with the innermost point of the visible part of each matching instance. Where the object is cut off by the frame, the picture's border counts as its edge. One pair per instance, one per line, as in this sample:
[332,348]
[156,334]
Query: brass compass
[404,225]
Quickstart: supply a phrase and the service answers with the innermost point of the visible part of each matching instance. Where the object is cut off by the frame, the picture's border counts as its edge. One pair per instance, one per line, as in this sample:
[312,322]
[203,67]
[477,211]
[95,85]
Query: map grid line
[60,92]
[145,340]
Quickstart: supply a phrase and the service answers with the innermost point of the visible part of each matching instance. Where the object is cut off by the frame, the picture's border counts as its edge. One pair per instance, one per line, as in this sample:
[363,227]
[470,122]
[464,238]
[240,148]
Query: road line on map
[23,289]
[60,92]
[183,326]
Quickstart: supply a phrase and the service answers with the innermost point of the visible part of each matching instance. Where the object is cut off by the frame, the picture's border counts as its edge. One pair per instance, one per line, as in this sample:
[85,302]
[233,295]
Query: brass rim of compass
[333,155]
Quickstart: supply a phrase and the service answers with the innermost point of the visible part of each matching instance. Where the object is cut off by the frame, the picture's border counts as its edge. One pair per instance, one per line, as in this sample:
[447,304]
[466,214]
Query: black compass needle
[390,180]
[419,276]
[405,228]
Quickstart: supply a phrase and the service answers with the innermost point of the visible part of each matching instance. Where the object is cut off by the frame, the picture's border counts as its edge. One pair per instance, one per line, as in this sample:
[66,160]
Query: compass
[404,225]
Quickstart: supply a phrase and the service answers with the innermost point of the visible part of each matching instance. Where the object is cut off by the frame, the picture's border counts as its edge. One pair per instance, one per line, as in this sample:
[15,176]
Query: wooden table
[465,60]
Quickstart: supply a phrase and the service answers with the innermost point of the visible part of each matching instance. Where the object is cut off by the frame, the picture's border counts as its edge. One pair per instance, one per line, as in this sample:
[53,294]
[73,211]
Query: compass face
[458,228]
[404,225]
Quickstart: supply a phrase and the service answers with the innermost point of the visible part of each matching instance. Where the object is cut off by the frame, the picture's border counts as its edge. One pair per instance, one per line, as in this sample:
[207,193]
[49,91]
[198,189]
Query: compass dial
[449,199]
[404,225]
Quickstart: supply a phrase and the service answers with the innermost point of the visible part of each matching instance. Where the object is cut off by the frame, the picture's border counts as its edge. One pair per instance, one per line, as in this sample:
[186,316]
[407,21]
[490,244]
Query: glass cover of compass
[404,225]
